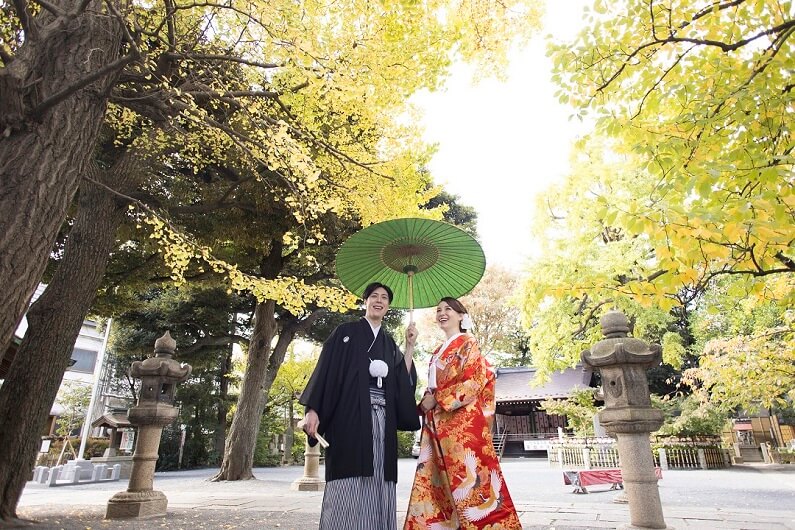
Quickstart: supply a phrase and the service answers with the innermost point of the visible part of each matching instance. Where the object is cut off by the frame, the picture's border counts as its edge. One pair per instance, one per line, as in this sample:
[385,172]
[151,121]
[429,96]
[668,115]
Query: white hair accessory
[466,322]
[379,369]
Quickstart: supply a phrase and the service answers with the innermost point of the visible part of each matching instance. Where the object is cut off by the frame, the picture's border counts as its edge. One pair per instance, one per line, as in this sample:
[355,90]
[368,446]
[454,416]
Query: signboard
[127,440]
[45,446]
[536,445]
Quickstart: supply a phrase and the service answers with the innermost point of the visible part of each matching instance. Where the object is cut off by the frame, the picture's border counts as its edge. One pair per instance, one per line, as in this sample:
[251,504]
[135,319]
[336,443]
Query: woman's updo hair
[457,306]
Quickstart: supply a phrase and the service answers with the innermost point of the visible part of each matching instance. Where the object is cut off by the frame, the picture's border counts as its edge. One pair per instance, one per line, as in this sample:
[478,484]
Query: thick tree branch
[784,28]
[227,96]
[5,55]
[128,37]
[712,8]
[119,277]
[64,93]
[52,8]
[728,47]
[172,33]
[214,206]
[21,7]
[221,58]
[585,323]
[787,261]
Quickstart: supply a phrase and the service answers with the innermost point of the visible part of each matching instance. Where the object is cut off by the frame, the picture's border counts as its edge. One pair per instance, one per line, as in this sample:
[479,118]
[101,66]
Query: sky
[500,143]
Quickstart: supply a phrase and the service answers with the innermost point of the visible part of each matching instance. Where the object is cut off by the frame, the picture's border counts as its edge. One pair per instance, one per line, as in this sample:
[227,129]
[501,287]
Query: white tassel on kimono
[379,369]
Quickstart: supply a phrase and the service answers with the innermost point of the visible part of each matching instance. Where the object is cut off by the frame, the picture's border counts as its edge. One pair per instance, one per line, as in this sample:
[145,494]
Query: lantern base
[308,484]
[137,504]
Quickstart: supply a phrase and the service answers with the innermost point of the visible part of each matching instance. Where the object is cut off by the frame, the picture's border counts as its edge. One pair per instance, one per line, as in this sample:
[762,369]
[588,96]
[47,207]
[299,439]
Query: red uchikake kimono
[458,482]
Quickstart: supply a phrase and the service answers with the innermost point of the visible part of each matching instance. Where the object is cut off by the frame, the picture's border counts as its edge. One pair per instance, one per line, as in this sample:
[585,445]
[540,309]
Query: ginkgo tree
[590,266]
[701,93]
[301,72]
[686,178]
[301,98]
[748,357]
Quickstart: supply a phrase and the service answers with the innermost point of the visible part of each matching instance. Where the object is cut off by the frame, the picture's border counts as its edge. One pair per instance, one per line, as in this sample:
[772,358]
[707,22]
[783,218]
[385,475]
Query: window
[84,360]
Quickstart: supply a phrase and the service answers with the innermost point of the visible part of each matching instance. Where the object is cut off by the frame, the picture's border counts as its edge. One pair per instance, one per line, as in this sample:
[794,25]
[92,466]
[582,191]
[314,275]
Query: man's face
[377,304]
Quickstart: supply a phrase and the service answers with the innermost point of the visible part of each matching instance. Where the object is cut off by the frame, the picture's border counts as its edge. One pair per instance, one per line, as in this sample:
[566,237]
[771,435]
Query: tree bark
[54,322]
[261,371]
[242,438]
[43,156]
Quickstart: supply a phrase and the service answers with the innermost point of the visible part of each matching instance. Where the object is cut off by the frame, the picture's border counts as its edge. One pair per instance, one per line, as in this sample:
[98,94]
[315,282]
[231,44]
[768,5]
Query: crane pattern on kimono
[476,513]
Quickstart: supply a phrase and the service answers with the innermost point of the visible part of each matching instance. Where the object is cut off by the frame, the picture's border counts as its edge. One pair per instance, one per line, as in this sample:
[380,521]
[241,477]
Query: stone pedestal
[155,409]
[628,415]
[140,500]
[311,480]
[640,482]
[139,504]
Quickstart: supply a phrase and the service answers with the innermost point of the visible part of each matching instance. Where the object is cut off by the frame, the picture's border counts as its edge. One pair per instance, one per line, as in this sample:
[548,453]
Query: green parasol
[421,260]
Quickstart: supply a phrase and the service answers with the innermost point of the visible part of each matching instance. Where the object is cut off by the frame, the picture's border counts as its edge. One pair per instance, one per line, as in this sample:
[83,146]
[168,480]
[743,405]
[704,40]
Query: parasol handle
[411,296]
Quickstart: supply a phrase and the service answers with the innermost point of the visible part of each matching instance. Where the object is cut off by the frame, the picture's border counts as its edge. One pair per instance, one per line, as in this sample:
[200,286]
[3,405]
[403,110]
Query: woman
[458,483]
[360,394]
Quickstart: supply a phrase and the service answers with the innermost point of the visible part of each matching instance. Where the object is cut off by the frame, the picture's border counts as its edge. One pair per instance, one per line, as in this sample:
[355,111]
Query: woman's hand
[428,402]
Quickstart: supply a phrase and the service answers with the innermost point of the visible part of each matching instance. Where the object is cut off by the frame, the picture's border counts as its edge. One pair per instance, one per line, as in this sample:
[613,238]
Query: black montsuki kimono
[339,391]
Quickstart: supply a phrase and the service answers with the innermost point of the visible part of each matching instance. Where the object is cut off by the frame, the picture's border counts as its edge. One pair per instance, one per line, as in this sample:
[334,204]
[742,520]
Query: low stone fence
[668,454]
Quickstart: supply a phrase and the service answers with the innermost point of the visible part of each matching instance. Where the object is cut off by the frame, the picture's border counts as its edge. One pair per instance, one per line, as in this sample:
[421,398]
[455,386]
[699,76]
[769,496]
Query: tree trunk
[261,371]
[242,439]
[43,156]
[54,322]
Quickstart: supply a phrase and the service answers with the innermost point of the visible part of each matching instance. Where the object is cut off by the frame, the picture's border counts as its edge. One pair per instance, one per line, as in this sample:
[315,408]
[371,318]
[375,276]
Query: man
[360,394]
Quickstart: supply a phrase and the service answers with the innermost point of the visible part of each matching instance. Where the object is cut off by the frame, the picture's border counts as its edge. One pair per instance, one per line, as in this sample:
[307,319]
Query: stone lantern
[311,481]
[155,409]
[628,414]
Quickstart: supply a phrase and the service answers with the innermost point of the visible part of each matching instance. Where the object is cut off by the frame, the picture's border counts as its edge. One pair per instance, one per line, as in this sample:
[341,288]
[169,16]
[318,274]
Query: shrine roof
[114,421]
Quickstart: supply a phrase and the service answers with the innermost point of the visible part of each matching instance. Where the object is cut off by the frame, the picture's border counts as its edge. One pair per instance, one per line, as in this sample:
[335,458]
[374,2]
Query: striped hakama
[363,503]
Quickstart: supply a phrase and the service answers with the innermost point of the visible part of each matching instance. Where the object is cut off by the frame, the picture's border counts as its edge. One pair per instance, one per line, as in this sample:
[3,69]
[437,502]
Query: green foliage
[299,445]
[687,177]
[195,451]
[288,117]
[579,409]
[690,416]
[200,319]
[693,102]
[168,450]
[270,425]
[748,350]
[320,331]
[94,447]
[75,397]
[405,442]
[458,214]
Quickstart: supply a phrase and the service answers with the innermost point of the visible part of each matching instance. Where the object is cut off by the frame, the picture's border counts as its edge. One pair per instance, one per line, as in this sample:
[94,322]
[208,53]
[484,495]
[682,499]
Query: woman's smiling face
[448,318]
